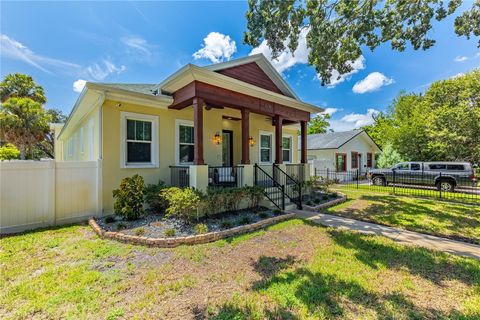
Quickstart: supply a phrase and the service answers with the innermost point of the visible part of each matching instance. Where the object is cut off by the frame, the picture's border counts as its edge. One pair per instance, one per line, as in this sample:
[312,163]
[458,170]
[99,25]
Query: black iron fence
[292,185]
[179,176]
[273,191]
[448,186]
[225,177]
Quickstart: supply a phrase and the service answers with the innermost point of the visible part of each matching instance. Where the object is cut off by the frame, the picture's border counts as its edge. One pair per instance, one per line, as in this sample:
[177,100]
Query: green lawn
[452,220]
[292,270]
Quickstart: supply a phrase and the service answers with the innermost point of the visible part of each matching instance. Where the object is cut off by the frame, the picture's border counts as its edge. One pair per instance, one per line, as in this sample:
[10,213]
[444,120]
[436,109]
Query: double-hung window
[287,149]
[266,148]
[139,140]
[186,143]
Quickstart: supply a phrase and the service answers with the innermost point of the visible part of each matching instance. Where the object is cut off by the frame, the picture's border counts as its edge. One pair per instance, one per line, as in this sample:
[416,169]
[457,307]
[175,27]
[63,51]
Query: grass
[452,220]
[291,270]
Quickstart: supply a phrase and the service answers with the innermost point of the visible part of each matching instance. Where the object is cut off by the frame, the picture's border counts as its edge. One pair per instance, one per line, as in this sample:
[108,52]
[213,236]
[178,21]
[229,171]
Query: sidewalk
[398,235]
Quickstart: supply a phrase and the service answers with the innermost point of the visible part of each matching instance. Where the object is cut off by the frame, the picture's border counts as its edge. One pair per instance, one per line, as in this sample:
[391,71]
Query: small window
[415,166]
[341,162]
[265,148]
[437,167]
[455,167]
[287,149]
[369,160]
[354,160]
[139,141]
[186,143]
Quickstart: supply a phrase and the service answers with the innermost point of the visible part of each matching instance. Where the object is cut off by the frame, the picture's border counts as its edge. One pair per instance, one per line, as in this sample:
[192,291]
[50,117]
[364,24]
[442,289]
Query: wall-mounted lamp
[217,139]
[251,141]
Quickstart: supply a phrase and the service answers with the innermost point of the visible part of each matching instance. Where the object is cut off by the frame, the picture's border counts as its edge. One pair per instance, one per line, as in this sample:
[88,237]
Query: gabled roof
[332,140]
[264,64]
[144,88]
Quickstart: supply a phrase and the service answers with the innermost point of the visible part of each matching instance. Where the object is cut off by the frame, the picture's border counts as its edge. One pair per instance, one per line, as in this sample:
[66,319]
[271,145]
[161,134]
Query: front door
[227,148]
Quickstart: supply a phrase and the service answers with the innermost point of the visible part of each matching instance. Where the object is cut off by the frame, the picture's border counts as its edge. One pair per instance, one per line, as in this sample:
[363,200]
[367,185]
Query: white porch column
[199,177]
[248,179]
[309,170]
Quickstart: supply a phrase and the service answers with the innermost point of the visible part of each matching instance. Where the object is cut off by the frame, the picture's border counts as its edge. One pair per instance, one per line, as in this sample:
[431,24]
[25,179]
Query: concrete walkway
[398,235]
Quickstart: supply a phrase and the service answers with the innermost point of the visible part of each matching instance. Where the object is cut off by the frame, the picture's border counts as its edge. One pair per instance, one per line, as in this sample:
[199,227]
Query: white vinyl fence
[46,193]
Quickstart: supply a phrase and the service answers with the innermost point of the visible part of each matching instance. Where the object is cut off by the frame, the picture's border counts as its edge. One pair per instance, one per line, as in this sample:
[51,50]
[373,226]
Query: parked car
[446,176]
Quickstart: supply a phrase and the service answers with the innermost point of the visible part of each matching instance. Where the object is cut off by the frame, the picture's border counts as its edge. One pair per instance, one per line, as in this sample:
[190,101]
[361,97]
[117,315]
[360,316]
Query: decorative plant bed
[321,200]
[153,230]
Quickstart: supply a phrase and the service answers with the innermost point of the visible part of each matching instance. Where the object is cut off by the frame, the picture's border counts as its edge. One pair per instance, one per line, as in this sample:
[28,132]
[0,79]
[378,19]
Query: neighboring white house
[342,151]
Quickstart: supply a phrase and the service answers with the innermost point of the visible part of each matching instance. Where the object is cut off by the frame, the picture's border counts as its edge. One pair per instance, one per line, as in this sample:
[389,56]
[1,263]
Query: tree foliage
[389,157]
[24,123]
[337,30]
[9,152]
[319,124]
[441,125]
[21,86]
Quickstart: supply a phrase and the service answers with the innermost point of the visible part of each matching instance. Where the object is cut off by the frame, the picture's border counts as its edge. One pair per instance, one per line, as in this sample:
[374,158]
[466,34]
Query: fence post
[256,175]
[440,179]
[394,181]
[357,178]
[283,196]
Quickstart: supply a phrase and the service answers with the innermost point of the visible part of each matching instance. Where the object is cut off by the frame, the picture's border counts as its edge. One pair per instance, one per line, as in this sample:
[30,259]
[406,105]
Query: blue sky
[61,44]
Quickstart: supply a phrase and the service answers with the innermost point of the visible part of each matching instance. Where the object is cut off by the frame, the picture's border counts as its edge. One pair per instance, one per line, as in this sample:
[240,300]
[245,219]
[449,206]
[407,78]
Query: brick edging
[189,240]
[343,198]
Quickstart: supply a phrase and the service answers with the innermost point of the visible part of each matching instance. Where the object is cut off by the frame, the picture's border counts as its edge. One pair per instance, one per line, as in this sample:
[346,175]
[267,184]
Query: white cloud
[137,43]
[79,85]
[286,59]
[216,47]
[336,78]
[101,71]
[354,120]
[330,111]
[460,58]
[16,50]
[372,82]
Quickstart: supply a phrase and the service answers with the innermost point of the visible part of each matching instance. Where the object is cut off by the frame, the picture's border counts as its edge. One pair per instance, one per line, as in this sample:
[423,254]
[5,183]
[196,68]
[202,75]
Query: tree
[46,147]
[319,124]
[21,86]
[9,152]
[24,123]
[336,31]
[441,125]
[389,157]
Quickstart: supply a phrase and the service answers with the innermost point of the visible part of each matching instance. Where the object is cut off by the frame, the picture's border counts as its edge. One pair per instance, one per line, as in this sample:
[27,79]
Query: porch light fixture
[251,141]
[217,139]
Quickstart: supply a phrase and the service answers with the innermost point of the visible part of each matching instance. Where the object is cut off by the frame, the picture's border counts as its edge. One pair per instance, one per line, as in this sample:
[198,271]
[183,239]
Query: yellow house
[223,124]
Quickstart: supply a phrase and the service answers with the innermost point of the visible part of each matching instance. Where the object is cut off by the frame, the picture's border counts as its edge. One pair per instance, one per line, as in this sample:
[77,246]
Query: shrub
[319,183]
[182,203]
[200,228]
[255,195]
[121,226]
[153,198]
[277,212]
[9,152]
[309,203]
[109,219]
[226,224]
[324,197]
[139,231]
[129,197]
[245,220]
[316,201]
[170,232]
[263,214]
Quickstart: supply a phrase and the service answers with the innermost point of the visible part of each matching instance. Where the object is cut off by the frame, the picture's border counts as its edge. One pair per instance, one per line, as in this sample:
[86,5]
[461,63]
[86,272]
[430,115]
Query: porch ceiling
[217,97]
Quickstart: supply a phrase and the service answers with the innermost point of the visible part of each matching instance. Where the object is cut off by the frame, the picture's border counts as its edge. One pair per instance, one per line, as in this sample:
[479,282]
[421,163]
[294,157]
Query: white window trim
[178,123]
[123,140]
[82,141]
[291,147]
[265,133]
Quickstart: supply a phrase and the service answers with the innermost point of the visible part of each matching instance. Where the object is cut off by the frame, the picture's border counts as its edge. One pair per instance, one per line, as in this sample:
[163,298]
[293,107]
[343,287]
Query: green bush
[277,212]
[245,220]
[255,195]
[129,197]
[170,232]
[9,152]
[121,226]
[153,198]
[226,224]
[200,228]
[182,203]
[263,214]
[109,219]
[140,231]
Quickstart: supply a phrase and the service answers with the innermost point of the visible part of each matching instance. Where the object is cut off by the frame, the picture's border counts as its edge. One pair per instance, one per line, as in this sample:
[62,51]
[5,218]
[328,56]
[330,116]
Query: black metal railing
[273,191]
[225,177]
[292,186]
[442,185]
[179,176]
[296,171]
